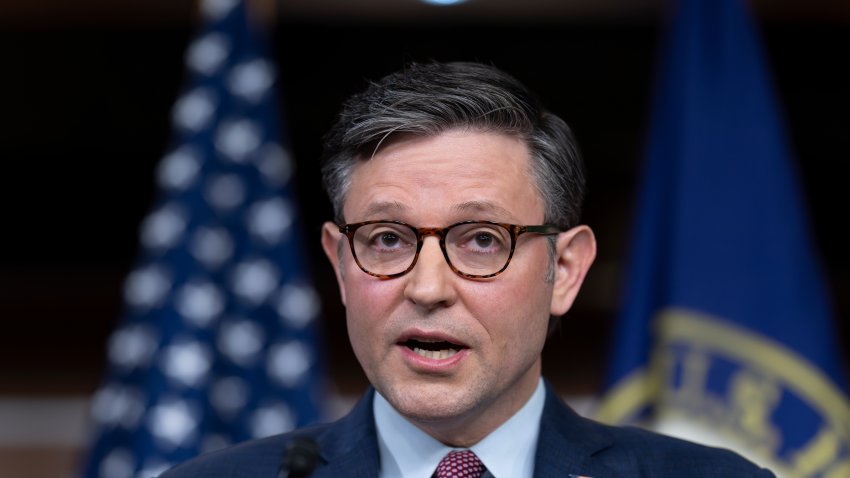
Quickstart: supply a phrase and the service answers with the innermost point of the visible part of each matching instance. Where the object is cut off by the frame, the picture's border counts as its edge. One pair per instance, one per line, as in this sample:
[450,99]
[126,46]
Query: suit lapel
[350,446]
[568,443]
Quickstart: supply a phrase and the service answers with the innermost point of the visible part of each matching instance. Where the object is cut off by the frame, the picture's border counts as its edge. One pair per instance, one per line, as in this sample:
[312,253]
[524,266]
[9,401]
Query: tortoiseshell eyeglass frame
[441,232]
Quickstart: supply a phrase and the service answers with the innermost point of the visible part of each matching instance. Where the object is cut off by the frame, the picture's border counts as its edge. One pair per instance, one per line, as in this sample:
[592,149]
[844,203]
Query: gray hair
[426,99]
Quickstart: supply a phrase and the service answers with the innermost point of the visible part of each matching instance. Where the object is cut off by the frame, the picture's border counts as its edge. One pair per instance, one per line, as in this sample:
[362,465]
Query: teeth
[435,354]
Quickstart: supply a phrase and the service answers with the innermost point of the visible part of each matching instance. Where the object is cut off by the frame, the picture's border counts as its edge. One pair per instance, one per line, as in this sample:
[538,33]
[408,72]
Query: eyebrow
[481,207]
[383,207]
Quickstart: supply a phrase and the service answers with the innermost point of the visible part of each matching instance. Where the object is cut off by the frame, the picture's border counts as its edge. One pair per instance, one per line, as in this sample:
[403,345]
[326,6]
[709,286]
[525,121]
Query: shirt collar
[506,452]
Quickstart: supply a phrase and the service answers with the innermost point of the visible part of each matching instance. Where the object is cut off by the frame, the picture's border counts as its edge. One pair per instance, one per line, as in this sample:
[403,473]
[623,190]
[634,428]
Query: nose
[430,284]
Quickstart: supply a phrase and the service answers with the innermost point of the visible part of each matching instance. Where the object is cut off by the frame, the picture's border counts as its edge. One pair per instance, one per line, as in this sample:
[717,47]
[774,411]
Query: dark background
[84,119]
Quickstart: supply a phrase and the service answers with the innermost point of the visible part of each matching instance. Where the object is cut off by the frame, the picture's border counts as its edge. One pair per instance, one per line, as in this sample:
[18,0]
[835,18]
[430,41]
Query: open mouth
[435,350]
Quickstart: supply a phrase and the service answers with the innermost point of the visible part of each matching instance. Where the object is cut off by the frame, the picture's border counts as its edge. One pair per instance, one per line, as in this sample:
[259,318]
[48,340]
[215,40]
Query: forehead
[458,174]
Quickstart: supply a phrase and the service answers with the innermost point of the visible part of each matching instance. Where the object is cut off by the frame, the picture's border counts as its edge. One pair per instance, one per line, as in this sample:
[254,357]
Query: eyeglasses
[473,249]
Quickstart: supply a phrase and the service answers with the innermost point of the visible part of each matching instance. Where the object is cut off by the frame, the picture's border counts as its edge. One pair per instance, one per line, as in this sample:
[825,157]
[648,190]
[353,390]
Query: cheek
[368,295]
[514,310]
[369,305]
[513,294]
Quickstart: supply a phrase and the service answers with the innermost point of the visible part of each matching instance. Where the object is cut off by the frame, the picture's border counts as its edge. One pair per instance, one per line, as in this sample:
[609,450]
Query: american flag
[218,339]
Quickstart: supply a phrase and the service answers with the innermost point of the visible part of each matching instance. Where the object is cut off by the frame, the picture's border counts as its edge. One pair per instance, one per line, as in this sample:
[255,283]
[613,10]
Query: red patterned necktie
[460,464]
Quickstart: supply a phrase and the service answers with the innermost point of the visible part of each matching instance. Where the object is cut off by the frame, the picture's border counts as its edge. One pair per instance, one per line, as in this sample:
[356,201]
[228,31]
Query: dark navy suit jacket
[568,445]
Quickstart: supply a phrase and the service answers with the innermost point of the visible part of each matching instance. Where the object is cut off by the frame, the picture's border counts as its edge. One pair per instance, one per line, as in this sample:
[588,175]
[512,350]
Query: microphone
[300,458]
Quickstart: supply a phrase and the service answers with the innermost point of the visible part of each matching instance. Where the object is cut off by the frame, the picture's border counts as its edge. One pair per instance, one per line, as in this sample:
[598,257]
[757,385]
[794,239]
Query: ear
[574,253]
[333,244]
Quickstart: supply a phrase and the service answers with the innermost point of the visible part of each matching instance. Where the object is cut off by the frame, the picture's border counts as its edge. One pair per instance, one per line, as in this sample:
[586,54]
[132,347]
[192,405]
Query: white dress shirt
[507,452]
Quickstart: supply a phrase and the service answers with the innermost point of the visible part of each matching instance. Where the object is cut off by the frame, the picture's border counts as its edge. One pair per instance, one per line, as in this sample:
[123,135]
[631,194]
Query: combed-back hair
[427,99]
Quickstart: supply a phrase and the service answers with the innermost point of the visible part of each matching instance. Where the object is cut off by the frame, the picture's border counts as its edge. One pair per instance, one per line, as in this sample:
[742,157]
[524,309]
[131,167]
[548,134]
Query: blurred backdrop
[86,91]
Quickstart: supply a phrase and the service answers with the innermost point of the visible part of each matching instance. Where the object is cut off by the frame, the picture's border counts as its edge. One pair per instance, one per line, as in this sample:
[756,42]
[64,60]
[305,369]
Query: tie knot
[460,464]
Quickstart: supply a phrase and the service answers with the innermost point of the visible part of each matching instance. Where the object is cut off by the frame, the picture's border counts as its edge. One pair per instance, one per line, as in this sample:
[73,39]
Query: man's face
[496,327]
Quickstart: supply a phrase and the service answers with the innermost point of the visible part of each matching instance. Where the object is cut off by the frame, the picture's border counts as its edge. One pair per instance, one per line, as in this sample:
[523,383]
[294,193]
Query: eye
[484,240]
[388,239]
[480,239]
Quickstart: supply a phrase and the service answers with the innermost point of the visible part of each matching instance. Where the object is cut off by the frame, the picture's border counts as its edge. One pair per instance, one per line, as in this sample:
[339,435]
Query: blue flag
[218,340]
[726,335]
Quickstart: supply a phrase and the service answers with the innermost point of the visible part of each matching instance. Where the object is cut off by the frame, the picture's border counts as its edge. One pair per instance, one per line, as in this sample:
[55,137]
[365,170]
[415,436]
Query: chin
[430,402]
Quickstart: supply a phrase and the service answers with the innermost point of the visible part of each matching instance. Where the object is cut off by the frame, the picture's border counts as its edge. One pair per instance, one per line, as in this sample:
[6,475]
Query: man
[457,239]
